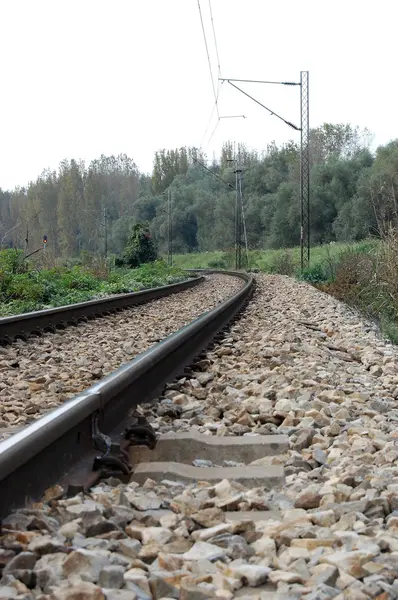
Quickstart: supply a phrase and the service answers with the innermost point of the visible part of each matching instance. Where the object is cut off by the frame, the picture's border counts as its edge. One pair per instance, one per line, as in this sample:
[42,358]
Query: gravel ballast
[297,363]
[40,374]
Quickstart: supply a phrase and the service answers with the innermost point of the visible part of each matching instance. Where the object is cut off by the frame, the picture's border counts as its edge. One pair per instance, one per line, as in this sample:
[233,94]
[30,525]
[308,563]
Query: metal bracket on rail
[140,432]
[115,459]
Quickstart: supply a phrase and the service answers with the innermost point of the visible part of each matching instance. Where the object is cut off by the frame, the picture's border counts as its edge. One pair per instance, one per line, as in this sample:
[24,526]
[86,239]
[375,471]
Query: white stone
[252,575]
[204,550]
[160,535]
[264,546]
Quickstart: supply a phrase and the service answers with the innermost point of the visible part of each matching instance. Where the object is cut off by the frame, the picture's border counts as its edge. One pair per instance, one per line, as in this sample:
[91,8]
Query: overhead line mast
[305,242]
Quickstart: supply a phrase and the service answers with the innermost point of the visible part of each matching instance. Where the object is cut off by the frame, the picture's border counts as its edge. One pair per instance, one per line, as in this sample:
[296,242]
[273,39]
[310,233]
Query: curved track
[41,321]
[41,373]
[59,446]
[274,475]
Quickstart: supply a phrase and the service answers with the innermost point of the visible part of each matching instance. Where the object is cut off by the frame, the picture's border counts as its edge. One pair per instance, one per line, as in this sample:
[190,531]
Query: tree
[140,248]
[283,228]
[339,140]
[353,193]
[121,232]
[167,165]
[70,201]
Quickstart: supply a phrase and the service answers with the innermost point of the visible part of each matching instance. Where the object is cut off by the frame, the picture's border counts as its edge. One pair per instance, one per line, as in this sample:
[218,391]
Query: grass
[24,288]
[364,275]
[196,260]
[268,261]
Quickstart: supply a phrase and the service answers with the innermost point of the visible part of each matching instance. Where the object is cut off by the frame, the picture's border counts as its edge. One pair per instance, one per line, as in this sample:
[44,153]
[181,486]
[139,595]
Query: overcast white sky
[84,77]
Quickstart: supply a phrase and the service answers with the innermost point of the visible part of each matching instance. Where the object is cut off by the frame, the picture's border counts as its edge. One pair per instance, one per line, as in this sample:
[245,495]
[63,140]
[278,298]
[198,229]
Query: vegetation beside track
[284,261]
[24,287]
[364,274]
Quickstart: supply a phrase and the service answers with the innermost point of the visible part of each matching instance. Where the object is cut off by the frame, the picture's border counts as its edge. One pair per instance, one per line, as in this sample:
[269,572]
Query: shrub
[319,273]
[229,259]
[365,277]
[216,264]
[283,264]
[140,248]
[34,290]
[354,268]
[12,261]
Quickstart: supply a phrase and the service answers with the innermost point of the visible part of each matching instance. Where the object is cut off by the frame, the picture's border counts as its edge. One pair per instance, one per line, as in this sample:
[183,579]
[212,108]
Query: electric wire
[212,135]
[274,114]
[208,59]
[211,118]
[215,43]
[207,126]
[212,172]
[262,81]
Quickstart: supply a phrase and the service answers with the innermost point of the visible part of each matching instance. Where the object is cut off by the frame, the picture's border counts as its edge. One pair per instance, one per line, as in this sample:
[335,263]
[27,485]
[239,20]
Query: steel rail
[58,445]
[34,323]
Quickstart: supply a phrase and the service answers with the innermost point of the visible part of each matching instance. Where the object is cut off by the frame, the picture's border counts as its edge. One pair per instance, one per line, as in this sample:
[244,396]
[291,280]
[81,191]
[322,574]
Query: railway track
[42,321]
[274,475]
[62,441]
[41,373]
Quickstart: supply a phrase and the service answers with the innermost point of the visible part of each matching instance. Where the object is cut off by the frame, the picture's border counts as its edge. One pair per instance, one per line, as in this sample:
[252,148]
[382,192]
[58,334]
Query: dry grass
[284,263]
[387,265]
[368,280]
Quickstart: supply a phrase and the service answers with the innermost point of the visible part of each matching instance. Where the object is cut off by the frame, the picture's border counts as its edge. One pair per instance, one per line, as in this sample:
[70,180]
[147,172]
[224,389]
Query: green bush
[364,276]
[34,290]
[217,264]
[12,261]
[283,264]
[319,273]
[140,248]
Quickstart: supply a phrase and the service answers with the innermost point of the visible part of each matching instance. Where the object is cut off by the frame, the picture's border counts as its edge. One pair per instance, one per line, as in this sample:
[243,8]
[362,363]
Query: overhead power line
[216,127]
[215,42]
[212,173]
[234,117]
[262,81]
[208,59]
[212,134]
[215,105]
[266,107]
[207,126]
[305,241]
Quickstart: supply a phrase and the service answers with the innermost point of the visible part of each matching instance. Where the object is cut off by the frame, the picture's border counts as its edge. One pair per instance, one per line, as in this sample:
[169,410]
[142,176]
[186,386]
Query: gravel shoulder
[298,363]
[40,374]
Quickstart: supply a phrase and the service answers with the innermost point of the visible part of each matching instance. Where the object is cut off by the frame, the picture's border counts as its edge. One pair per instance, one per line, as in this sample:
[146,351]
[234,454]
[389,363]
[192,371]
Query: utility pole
[27,228]
[242,212]
[238,218]
[304,171]
[105,232]
[238,214]
[240,221]
[170,232]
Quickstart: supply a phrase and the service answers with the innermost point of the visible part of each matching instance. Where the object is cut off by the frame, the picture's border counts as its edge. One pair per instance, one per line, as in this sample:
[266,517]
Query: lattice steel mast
[304,152]
[305,170]
[238,218]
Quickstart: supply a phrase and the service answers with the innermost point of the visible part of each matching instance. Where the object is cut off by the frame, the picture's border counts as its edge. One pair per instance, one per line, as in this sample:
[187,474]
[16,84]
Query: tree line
[354,193]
